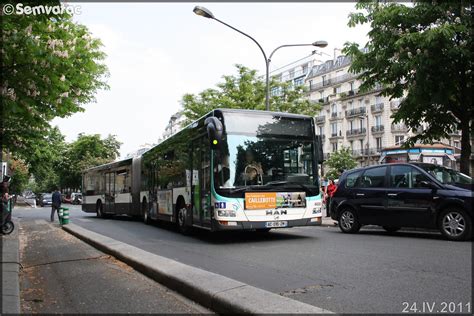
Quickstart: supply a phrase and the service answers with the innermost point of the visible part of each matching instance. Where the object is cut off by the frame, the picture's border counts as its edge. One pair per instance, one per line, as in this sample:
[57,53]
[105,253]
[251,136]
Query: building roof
[329,65]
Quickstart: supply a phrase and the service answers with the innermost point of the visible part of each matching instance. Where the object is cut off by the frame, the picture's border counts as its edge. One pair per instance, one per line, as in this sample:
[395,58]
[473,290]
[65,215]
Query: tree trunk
[465,146]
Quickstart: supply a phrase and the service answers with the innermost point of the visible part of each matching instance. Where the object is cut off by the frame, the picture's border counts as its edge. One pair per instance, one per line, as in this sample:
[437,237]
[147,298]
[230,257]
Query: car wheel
[8,227]
[391,229]
[181,220]
[348,222]
[455,224]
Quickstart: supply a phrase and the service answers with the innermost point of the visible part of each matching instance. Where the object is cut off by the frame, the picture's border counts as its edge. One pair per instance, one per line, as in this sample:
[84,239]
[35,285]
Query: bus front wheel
[181,220]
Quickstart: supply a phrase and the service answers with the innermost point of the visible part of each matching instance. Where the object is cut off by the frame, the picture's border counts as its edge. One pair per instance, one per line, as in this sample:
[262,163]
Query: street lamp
[201,11]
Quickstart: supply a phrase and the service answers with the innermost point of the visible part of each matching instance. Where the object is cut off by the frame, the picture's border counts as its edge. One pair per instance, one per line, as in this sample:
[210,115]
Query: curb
[216,292]
[10,273]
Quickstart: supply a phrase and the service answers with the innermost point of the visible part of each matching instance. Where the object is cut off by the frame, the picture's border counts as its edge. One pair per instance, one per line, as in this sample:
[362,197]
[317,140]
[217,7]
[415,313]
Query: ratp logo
[21,9]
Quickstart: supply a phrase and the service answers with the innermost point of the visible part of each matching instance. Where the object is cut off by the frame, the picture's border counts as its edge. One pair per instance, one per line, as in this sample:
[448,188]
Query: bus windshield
[264,151]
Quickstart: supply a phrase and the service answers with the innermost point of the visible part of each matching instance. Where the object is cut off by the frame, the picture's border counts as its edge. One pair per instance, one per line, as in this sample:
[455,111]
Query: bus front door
[200,182]
[109,206]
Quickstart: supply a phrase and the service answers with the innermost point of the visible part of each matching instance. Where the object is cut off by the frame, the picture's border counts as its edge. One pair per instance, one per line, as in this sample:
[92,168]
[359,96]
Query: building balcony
[335,136]
[335,116]
[320,119]
[395,104]
[355,112]
[366,152]
[378,129]
[376,108]
[355,132]
[399,128]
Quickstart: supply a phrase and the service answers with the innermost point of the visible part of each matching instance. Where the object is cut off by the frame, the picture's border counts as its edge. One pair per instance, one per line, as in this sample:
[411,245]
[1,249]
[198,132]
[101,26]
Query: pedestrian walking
[330,189]
[56,203]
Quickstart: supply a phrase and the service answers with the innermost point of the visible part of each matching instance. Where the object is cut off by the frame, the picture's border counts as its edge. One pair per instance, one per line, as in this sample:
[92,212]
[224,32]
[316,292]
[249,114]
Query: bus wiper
[304,186]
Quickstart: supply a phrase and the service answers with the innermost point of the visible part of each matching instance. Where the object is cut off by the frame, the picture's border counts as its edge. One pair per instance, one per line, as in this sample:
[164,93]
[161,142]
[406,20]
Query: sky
[157,52]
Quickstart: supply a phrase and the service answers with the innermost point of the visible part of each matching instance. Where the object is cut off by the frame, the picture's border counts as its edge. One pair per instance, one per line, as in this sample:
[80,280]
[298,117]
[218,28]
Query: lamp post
[201,11]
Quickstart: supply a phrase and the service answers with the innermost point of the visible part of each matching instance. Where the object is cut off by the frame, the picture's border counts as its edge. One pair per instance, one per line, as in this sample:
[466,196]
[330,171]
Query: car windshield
[47,196]
[447,176]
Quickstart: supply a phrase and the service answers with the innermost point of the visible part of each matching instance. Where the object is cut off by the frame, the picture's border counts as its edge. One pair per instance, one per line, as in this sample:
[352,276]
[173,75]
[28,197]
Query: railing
[376,107]
[399,128]
[377,129]
[355,132]
[366,152]
[395,104]
[335,116]
[320,119]
[332,81]
[356,111]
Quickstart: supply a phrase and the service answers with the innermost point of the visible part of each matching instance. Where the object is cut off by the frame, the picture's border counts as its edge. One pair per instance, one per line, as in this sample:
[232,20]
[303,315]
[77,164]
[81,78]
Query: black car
[405,195]
[46,199]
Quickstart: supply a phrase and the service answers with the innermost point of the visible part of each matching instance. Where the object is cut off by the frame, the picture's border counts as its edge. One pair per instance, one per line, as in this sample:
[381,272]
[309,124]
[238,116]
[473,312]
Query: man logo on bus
[282,212]
[220,205]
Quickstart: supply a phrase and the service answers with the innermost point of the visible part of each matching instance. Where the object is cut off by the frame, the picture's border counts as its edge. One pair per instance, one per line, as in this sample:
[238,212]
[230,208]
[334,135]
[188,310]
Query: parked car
[46,199]
[405,195]
[66,198]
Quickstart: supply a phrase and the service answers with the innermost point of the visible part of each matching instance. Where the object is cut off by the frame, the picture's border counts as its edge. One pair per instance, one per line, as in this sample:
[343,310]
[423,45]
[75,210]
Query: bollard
[61,214]
[65,216]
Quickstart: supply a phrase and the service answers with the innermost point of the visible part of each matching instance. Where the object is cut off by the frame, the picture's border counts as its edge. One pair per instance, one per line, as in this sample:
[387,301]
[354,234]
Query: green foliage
[20,176]
[247,91]
[339,161]
[424,52]
[50,67]
[86,152]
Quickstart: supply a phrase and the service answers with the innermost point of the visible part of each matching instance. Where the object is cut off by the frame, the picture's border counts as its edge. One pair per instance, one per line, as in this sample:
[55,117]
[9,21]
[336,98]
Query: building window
[337,89]
[361,124]
[321,132]
[299,81]
[350,105]
[334,129]
[361,103]
[378,142]
[351,144]
[334,146]
[361,144]
[321,94]
[399,140]
[324,80]
[378,120]
[351,125]
[456,144]
[352,85]
[378,99]
[305,68]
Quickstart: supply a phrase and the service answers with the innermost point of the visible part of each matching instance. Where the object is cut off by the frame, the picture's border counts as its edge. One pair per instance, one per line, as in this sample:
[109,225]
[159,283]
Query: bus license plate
[277,224]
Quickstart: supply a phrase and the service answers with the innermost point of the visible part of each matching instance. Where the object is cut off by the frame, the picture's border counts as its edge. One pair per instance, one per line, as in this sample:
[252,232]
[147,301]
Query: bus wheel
[99,209]
[181,220]
[146,217]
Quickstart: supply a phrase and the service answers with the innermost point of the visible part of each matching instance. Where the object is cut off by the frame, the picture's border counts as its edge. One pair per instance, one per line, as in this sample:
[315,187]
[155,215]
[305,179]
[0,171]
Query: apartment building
[349,118]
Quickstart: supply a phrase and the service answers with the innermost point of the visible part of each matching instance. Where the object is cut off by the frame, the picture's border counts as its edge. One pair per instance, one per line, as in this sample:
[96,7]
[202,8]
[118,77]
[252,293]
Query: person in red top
[330,189]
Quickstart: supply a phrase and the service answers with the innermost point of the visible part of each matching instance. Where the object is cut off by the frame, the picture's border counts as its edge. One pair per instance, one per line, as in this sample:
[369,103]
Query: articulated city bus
[229,170]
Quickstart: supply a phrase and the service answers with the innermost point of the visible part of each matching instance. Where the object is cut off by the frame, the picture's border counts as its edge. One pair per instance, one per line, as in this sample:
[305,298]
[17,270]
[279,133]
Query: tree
[50,67]
[86,152]
[424,51]
[339,161]
[247,91]
[19,176]
[46,159]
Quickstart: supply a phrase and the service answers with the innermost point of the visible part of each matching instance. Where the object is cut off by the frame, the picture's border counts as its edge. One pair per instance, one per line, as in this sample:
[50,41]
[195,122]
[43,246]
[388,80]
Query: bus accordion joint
[214,131]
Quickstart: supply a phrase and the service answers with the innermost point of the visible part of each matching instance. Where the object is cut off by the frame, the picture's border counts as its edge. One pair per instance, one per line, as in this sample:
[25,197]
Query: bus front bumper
[232,225]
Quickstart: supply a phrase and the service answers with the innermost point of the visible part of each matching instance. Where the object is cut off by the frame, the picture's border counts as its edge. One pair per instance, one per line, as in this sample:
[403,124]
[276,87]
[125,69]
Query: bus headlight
[225,213]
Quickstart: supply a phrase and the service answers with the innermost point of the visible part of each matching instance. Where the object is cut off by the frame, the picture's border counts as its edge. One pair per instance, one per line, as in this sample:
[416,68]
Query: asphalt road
[370,272]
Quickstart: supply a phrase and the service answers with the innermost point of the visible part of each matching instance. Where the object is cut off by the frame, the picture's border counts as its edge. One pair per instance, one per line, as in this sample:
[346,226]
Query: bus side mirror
[318,145]
[214,132]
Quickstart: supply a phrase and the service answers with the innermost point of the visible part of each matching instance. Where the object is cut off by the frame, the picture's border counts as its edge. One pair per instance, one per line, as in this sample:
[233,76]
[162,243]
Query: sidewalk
[10,270]
[62,274]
